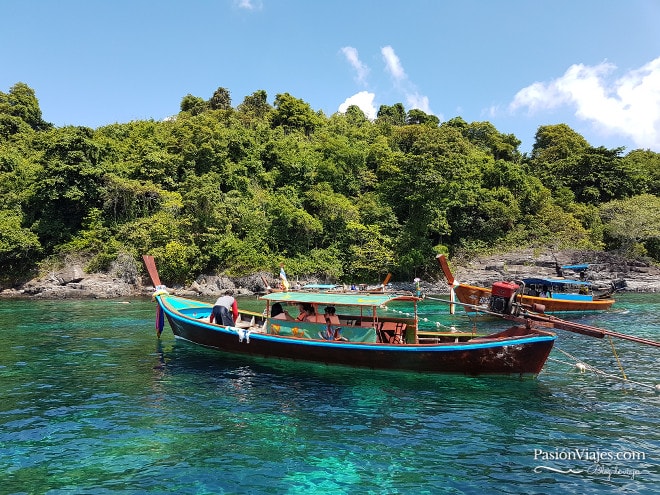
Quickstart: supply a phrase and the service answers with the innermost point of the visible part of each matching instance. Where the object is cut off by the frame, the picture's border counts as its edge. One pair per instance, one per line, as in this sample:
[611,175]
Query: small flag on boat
[283,281]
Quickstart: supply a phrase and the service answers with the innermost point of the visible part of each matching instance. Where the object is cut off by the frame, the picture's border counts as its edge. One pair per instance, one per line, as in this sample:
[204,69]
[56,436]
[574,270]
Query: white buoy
[582,367]
[657,387]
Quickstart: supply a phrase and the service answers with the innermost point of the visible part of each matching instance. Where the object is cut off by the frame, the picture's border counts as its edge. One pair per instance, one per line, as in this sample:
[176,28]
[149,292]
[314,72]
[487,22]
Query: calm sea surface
[92,402]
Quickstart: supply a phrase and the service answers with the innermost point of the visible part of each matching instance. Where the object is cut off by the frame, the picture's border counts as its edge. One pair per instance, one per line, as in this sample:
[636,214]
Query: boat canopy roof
[337,299]
[577,268]
[555,282]
[320,286]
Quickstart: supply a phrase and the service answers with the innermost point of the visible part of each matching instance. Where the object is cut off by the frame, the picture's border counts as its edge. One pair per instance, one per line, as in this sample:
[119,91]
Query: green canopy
[337,299]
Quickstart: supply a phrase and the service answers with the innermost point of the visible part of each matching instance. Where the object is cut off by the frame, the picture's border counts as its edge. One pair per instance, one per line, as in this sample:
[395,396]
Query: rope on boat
[617,358]
[582,367]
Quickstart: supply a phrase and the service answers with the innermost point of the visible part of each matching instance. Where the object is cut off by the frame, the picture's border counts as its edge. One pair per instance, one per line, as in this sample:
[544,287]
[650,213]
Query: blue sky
[520,64]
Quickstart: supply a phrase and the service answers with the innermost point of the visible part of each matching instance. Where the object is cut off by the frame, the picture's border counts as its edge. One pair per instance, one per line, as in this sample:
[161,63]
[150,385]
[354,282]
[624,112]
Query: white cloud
[421,102]
[364,100]
[628,106]
[361,70]
[393,64]
[248,4]
[401,81]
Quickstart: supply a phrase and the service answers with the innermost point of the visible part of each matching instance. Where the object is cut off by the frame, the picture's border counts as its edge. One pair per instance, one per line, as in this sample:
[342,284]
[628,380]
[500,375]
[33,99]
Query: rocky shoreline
[71,282]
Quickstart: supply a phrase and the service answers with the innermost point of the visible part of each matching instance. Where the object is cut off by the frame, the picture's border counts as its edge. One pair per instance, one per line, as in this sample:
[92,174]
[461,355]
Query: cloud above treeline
[248,4]
[628,106]
[401,83]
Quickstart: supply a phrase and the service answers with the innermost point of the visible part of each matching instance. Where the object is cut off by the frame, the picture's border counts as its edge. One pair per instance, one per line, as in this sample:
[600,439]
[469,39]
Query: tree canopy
[218,189]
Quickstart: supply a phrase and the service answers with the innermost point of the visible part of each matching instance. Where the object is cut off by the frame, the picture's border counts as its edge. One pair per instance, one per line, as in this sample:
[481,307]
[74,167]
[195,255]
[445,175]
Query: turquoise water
[93,402]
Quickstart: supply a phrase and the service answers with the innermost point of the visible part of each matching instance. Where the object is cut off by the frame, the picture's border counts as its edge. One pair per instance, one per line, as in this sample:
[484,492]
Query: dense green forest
[240,189]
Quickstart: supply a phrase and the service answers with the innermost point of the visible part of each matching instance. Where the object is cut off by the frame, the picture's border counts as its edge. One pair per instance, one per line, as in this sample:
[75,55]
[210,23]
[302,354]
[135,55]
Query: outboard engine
[502,297]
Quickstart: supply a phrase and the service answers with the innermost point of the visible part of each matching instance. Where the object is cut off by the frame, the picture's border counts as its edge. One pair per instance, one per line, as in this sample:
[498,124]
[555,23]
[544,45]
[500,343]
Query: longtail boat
[360,336]
[554,294]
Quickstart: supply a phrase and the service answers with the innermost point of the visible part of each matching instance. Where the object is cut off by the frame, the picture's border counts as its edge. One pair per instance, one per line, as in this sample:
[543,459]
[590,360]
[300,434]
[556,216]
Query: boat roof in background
[576,268]
[554,281]
[337,299]
[320,286]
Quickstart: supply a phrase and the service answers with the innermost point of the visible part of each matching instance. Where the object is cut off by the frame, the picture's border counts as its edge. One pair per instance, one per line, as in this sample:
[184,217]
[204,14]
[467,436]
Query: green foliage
[19,247]
[554,143]
[294,114]
[238,191]
[644,167]
[177,262]
[255,106]
[632,223]
[394,115]
[416,116]
[486,137]
[22,103]
[324,263]
[194,105]
[221,100]
[66,187]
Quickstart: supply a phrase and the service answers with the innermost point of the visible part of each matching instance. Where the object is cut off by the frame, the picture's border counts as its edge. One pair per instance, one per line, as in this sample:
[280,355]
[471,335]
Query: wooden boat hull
[479,296]
[518,351]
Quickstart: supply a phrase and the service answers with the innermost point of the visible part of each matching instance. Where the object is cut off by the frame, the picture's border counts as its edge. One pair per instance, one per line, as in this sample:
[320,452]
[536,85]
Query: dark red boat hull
[517,352]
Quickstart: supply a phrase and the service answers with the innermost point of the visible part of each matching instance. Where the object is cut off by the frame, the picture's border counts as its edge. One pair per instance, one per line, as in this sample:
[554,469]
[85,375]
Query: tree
[485,136]
[644,165]
[419,117]
[11,125]
[293,230]
[256,105]
[194,105]
[294,114]
[334,210]
[601,175]
[632,223]
[356,116]
[19,247]
[21,102]
[371,253]
[557,142]
[557,149]
[67,187]
[394,115]
[221,100]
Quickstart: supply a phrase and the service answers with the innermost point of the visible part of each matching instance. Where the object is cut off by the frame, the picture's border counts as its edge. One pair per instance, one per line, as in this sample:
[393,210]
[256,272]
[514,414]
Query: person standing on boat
[225,309]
